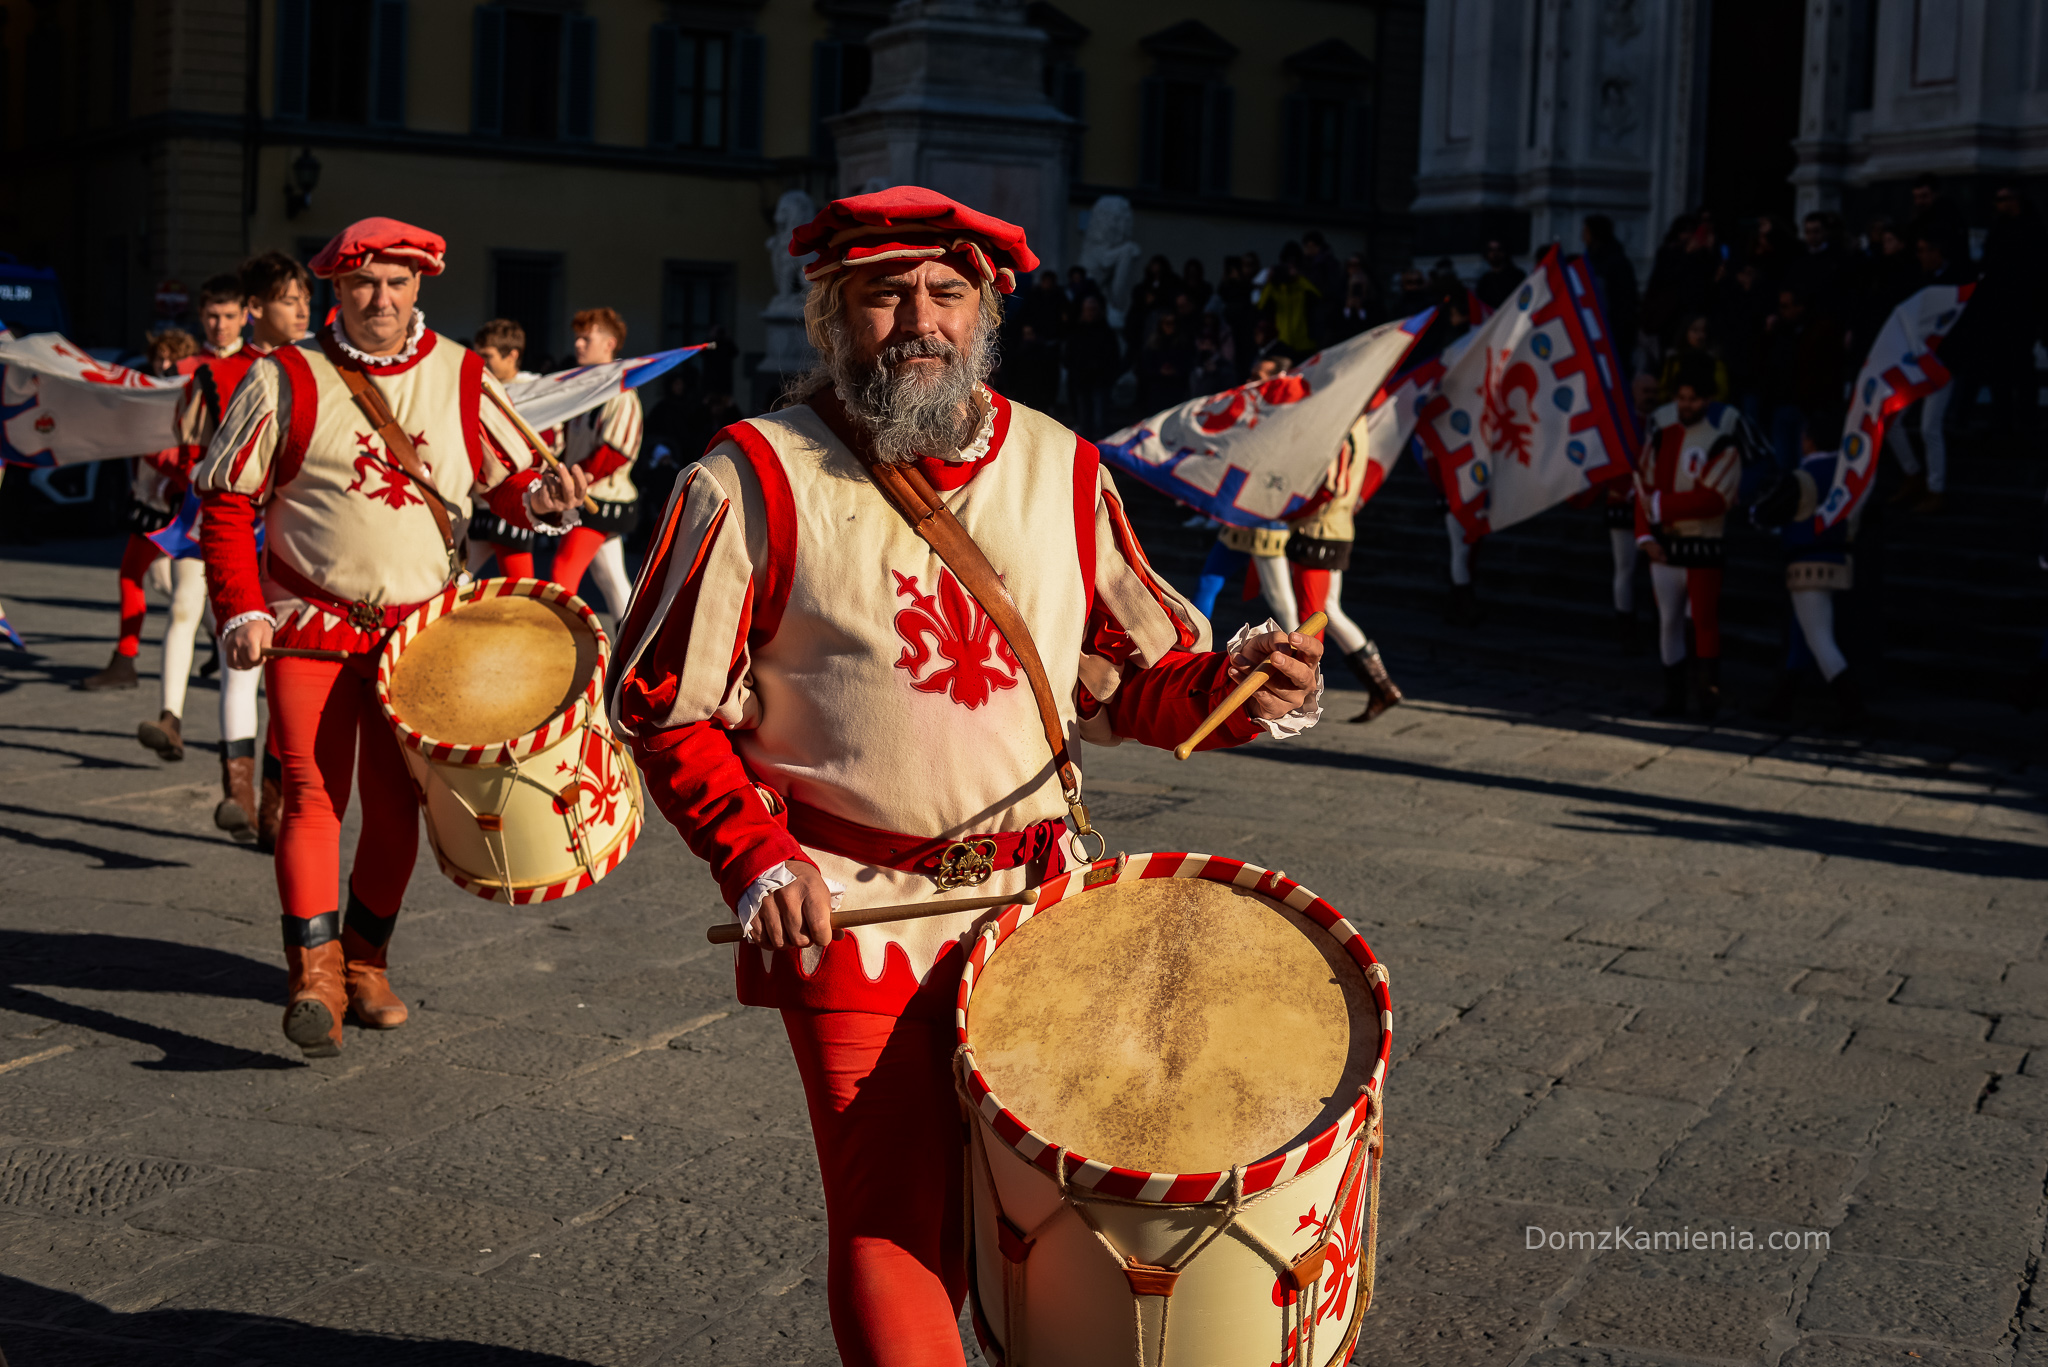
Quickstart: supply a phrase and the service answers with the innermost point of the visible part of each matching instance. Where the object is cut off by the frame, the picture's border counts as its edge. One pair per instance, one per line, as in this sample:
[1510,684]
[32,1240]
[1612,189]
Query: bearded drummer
[359,516]
[831,721]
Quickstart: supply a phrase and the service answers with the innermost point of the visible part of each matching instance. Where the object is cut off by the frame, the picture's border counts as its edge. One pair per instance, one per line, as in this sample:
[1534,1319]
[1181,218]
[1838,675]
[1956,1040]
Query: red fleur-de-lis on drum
[978,659]
[601,785]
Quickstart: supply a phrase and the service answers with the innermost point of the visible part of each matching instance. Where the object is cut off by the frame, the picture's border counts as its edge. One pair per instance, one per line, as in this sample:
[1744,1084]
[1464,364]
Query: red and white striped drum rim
[1173,1188]
[519,747]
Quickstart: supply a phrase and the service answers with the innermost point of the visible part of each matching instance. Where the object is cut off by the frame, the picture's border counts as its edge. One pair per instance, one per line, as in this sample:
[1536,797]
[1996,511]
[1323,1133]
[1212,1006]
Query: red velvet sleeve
[604,462]
[227,542]
[508,497]
[1161,705]
[703,789]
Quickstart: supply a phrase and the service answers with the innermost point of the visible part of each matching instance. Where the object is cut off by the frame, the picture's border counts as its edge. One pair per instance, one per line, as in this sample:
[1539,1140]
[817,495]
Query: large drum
[496,692]
[1175,1062]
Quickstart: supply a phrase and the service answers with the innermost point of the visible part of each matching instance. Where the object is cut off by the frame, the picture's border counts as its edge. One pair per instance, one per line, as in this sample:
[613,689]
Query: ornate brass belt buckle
[966,864]
[365,616]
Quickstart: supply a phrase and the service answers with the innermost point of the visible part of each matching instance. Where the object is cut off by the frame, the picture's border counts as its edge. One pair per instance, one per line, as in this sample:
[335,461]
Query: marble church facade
[1536,113]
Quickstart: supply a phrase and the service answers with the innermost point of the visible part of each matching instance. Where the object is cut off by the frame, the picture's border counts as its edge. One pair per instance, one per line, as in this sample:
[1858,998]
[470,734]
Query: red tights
[514,564]
[890,1149]
[324,717]
[1311,590]
[135,562]
[573,556]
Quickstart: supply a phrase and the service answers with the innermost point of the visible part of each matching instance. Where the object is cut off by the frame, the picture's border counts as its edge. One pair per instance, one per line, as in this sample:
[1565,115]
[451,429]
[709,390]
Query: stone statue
[1110,256]
[792,211]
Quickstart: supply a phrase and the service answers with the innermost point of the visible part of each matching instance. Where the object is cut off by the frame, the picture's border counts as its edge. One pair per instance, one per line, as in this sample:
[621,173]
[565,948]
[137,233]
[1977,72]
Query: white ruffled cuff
[781,876]
[244,620]
[571,517]
[1301,718]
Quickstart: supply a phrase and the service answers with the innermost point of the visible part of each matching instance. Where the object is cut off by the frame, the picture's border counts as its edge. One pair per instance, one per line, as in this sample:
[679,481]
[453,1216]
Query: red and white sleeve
[235,478]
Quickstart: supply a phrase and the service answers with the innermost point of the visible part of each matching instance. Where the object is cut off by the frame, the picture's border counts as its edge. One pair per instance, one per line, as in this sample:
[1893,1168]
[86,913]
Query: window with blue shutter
[387,63]
[293,23]
[579,78]
[487,78]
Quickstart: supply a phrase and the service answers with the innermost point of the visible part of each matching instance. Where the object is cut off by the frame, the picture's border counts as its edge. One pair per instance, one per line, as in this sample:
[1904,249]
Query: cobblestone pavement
[1645,975]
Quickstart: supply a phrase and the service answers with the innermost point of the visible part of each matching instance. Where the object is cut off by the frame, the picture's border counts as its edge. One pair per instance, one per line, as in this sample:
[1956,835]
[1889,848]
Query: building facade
[633,153]
[1536,113]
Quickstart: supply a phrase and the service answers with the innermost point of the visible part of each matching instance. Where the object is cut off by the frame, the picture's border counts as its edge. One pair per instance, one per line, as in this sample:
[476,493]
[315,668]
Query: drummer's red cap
[380,238]
[914,223]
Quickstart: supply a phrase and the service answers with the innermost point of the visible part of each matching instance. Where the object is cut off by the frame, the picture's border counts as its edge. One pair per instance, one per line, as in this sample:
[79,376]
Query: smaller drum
[496,692]
[1174,1063]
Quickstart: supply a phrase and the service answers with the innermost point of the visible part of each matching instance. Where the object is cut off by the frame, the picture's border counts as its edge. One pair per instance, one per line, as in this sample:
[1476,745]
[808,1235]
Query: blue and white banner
[59,406]
[553,399]
[1257,453]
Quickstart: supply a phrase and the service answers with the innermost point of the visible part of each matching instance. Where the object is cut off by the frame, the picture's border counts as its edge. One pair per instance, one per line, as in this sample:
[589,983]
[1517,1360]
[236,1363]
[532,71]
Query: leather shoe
[365,943]
[317,998]
[164,735]
[119,673]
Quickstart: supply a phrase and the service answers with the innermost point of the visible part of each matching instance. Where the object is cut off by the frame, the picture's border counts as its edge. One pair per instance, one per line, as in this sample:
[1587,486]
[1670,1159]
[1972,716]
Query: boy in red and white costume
[502,342]
[352,546]
[605,442]
[277,295]
[1685,484]
[822,710]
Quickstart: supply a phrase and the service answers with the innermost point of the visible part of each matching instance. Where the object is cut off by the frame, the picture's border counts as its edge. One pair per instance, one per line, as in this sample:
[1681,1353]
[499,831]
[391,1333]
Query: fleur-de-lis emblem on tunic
[951,626]
[395,488]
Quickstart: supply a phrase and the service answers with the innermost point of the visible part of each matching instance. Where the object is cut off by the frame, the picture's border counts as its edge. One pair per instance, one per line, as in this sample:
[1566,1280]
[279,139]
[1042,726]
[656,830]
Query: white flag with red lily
[59,406]
[1258,453]
[1901,369]
[1532,412]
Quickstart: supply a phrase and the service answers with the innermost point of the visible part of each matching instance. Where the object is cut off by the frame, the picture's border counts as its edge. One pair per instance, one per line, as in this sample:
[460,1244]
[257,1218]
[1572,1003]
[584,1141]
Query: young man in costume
[156,487]
[603,442]
[501,342]
[359,448]
[1318,553]
[1685,485]
[821,705]
[278,297]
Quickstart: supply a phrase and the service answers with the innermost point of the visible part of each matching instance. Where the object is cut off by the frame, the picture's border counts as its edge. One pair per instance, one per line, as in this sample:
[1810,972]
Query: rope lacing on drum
[1307,1303]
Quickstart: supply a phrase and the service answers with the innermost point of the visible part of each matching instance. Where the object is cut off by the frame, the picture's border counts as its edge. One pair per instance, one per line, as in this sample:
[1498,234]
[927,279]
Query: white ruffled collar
[983,435]
[360,357]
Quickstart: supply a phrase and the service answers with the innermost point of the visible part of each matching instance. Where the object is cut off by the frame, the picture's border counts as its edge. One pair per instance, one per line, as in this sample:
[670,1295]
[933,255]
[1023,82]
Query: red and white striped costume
[803,679]
[605,442]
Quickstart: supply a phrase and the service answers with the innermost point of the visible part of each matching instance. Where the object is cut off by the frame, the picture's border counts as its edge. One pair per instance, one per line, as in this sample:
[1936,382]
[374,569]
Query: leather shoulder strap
[370,400]
[907,490]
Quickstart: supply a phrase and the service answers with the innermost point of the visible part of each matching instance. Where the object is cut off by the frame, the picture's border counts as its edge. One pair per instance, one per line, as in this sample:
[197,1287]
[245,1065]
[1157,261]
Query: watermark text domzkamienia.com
[1630,1238]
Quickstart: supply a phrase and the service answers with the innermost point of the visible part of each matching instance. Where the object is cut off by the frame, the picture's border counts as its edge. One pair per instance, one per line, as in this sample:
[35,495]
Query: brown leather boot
[236,813]
[119,673]
[318,1000]
[365,940]
[269,807]
[164,735]
[1380,688]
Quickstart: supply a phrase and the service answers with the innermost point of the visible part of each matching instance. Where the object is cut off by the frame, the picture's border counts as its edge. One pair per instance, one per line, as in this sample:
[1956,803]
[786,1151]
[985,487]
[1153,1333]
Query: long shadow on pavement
[1688,819]
[94,1336]
[124,963]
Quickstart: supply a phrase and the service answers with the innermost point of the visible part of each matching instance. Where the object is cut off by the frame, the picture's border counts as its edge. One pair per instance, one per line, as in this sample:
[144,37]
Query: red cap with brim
[373,238]
[912,223]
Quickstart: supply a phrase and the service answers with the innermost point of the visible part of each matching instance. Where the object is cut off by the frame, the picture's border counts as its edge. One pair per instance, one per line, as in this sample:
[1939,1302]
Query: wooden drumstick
[303,653]
[539,447]
[903,911]
[1252,683]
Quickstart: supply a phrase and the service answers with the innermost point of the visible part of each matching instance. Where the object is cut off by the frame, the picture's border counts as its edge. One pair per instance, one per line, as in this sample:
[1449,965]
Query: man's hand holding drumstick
[1294,658]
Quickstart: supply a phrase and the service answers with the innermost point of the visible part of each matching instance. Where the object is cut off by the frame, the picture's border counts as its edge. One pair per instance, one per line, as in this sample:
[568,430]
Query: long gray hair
[906,415]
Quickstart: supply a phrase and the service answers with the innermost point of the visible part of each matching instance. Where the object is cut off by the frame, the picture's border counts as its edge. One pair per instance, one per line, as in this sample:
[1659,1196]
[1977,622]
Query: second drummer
[823,709]
[358,448]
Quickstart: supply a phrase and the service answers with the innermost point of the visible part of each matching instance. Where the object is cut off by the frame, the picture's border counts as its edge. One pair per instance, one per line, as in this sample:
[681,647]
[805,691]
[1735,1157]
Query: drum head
[1174,1025]
[493,670]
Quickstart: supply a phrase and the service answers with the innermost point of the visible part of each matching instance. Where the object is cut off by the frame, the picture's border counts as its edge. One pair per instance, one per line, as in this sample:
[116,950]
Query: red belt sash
[915,853]
[358,614]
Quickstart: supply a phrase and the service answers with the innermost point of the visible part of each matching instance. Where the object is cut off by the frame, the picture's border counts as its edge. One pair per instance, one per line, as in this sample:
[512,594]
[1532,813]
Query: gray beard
[908,411]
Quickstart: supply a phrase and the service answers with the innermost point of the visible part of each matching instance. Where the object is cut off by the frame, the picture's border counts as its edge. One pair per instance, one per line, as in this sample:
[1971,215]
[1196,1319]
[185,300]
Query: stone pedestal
[958,105]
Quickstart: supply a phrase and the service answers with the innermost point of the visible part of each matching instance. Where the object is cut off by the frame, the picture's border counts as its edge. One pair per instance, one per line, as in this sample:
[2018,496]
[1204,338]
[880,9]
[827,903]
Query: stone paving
[1646,975]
